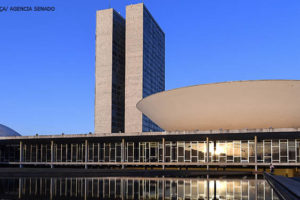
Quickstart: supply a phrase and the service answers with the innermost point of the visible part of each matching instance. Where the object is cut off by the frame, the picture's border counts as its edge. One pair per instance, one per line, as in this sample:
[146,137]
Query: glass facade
[118,74]
[153,63]
[10,153]
[136,188]
[220,151]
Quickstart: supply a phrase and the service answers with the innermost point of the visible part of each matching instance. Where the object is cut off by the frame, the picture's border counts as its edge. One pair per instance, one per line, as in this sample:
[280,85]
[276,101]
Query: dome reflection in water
[136,188]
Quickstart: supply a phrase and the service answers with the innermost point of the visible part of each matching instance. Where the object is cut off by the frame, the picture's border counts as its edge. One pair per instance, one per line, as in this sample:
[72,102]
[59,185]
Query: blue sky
[47,59]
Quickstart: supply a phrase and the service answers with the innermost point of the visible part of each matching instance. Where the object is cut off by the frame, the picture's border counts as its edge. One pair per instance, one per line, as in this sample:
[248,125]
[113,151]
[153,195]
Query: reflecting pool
[136,188]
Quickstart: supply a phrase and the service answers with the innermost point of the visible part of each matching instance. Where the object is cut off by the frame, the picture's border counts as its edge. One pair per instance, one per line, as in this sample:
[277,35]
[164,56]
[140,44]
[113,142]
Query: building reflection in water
[135,188]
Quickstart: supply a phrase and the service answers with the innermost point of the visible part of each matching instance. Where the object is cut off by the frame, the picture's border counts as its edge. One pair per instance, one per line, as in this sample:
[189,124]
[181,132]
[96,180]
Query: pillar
[52,153]
[207,153]
[86,154]
[163,153]
[123,152]
[41,153]
[255,147]
[36,153]
[21,154]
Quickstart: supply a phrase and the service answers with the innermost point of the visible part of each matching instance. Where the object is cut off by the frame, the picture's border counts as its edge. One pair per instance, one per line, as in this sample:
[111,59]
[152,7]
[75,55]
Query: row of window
[237,151]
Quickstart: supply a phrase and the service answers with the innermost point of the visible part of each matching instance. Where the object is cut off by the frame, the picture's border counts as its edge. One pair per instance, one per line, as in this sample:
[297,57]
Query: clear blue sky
[47,59]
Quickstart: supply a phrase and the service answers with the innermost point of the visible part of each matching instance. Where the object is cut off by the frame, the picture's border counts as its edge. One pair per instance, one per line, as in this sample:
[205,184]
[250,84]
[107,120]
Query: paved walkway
[296,179]
[286,188]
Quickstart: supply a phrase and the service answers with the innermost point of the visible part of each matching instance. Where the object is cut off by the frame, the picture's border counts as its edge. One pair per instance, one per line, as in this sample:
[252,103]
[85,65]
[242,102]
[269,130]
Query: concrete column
[255,147]
[52,153]
[86,154]
[41,152]
[207,153]
[77,150]
[30,157]
[71,150]
[36,153]
[123,152]
[21,154]
[163,153]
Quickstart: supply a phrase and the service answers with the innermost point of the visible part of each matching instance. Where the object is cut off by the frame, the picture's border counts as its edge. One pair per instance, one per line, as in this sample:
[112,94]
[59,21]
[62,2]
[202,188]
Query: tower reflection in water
[135,188]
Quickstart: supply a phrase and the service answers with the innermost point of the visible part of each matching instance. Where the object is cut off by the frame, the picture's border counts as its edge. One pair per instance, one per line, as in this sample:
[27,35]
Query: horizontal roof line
[168,133]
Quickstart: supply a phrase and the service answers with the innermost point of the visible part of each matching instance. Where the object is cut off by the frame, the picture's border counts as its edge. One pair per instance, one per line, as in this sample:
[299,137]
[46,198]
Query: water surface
[136,188]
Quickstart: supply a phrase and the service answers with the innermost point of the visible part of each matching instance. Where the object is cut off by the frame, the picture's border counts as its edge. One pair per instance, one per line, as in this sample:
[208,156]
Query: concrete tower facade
[110,72]
[119,85]
[145,65]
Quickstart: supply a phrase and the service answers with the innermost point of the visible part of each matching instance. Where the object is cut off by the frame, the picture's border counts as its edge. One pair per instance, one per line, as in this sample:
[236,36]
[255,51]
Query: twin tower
[130,65]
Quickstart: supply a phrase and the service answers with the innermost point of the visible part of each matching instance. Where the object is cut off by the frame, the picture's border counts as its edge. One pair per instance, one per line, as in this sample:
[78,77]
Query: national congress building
[247,124]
